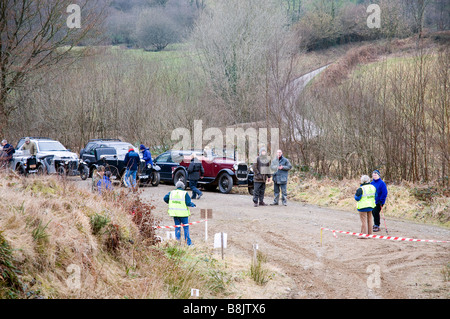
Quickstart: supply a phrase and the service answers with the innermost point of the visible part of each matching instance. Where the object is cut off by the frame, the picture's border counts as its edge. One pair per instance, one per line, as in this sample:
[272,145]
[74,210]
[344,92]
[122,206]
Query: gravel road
[342,267]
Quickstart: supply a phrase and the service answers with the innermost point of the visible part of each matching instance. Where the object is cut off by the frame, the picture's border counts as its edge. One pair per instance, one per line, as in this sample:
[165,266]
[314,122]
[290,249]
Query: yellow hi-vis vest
[177,204]
[368,197]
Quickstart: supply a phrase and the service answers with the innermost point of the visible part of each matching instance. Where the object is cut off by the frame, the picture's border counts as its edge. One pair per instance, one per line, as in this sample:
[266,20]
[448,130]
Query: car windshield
[51,146]
[121,146]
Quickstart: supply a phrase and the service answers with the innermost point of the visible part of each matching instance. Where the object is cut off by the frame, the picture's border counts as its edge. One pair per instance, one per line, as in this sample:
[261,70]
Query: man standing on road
[281,166]
[380,198]
[132,161]
[195,172]
[179,203]
[261,170]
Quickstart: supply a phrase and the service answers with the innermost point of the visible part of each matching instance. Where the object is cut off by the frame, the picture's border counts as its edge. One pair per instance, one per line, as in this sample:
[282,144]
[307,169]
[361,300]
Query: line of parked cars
[110,153]
[222,172]
[53,158]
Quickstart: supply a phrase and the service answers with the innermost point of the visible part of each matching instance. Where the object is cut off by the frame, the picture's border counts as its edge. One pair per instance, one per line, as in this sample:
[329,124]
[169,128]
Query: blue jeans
[179,221]
[127,178]
[276,192]
[195,190]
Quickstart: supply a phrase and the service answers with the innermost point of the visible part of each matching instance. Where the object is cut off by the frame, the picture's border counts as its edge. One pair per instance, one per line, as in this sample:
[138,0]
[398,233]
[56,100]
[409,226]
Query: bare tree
[234,40]
[155,29]
[33,36]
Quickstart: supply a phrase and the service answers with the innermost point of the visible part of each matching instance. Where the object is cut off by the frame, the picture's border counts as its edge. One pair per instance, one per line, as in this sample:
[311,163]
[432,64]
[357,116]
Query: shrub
[9,280]
[98,222]
[257,270]
[142,216]
[425,194]
[156,30]
[113,238]
[40,235]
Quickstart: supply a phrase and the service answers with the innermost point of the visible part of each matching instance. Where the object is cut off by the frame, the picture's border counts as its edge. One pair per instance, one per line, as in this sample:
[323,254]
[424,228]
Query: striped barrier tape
[182,225]
[380,237]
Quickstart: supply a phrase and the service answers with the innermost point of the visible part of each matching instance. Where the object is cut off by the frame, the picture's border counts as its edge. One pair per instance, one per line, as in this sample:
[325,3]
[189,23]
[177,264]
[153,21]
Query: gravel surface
[342,267]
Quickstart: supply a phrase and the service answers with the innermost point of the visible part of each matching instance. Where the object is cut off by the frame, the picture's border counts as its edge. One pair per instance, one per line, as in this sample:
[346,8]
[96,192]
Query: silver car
[52,157]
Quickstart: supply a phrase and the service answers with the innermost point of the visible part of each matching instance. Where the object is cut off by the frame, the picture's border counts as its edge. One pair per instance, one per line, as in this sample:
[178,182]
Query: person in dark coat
[261,171]
[8,151]
[281,166]
[132,161]
[195,172]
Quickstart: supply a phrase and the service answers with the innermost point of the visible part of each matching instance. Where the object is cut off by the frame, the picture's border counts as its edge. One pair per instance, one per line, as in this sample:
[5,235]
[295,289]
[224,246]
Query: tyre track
[337,268]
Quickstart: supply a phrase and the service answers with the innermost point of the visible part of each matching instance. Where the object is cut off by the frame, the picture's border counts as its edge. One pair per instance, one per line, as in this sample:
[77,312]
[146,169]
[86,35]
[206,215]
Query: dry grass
[365,53]
[401,202]
[49,228]
[46,229]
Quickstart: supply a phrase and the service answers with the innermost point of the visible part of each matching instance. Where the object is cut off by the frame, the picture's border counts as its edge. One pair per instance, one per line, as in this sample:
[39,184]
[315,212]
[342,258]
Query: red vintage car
[221,172]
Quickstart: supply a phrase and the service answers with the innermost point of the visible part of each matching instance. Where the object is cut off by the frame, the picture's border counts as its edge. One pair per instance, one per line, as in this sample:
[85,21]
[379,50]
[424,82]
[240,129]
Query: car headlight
[235,166]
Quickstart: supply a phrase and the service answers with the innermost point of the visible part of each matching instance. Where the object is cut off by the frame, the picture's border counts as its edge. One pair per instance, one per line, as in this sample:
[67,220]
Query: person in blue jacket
[7,155]
[132,161]
[380,198]
[104,184]
[146,155]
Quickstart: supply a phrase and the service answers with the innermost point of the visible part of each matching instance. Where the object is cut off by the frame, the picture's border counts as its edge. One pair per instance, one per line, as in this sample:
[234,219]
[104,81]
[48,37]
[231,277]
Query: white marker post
[255,248]
[220,241]
[206,214]
[171,235]
[195,293]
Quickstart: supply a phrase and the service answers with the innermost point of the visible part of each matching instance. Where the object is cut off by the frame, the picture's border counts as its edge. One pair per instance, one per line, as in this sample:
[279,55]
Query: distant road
[296,86]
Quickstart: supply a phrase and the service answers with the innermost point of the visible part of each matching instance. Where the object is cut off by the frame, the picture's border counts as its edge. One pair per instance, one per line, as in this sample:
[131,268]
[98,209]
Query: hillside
[57,239]
[380,105]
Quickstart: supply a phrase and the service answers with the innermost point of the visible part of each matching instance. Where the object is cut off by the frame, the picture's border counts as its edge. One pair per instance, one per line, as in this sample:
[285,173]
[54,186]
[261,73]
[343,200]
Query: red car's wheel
[225,183]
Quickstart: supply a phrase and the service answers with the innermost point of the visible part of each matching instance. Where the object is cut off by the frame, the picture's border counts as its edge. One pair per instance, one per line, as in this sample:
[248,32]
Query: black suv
[111,154]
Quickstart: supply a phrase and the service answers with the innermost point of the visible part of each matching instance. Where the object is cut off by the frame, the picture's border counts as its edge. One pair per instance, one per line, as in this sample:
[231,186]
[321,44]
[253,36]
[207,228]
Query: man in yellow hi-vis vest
[179,202]
[365,196]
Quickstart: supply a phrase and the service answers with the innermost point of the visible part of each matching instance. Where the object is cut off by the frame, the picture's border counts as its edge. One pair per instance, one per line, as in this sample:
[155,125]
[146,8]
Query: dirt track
[339,267]
[342,267]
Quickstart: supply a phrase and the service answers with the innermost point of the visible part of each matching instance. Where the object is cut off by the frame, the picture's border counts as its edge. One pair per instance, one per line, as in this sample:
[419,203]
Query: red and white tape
[182,225]
[383,237]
